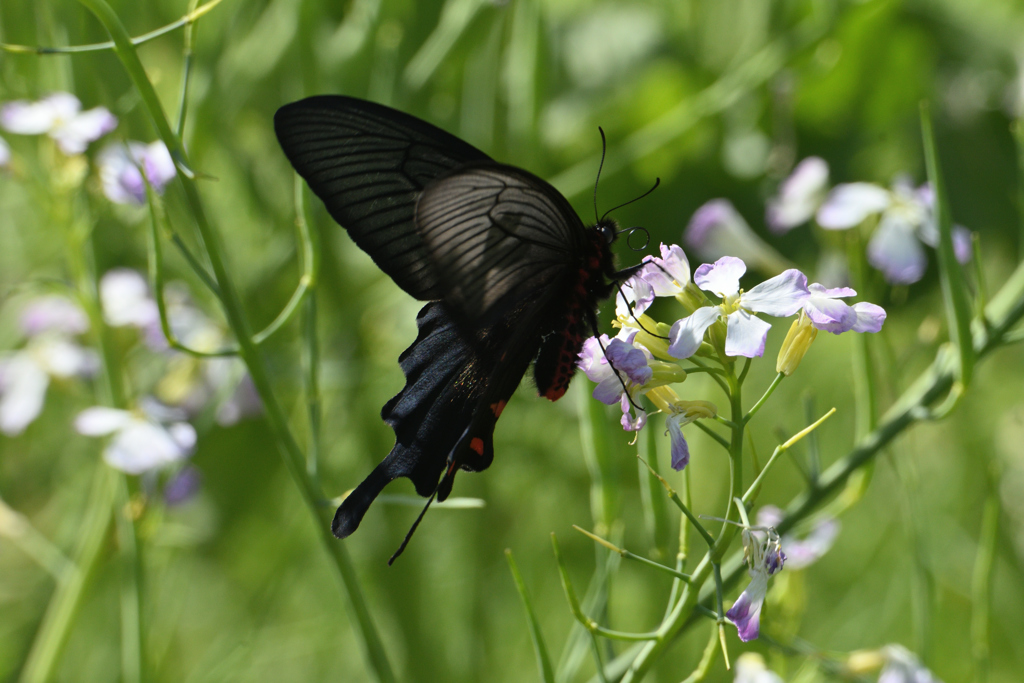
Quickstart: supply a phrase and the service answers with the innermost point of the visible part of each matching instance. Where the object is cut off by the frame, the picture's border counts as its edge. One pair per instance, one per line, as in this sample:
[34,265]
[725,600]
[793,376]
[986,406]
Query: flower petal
[847,205]
[125,298]
[630,360]
[721,277]
[74,136]
[142,446]
[780,296]
[680,450]
[100,421]
[869,317]
[746,335]
[799,196]
[895,250]
[5,153]
[35,118]
[687,334]
[828,313]
[745,613]
[717,229]
[669,274]
[24,391]
[53,313]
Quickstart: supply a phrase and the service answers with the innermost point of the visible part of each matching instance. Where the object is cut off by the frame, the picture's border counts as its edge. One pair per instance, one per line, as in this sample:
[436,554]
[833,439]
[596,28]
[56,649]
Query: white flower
[125,297]
[53,313]
[780,296]
[60,117]
[25,376]
[907,220]
[141,441]
[799,196]
[750,668]
[902,666]
[5,153]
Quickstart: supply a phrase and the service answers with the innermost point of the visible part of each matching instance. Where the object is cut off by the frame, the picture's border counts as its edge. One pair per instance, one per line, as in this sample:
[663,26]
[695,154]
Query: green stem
[292,455]
[131,619]
[760,402]
[67,598]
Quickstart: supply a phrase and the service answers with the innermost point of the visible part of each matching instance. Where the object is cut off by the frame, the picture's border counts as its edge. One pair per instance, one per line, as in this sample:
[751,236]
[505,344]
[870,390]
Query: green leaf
[547,674]
[954,287]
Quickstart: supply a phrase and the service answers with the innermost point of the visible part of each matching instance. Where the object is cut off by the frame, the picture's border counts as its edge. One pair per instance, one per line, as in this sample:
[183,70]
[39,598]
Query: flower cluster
[123,167]
[50,325]
[902,218]
[905,217]
[646,353]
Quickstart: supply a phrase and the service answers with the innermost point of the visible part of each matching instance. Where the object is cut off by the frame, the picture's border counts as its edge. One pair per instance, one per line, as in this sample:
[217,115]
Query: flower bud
[798,341]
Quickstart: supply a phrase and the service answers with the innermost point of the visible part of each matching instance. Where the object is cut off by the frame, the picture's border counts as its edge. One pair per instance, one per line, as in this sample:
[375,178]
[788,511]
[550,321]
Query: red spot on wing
[497,408]
[555,393]
[477,445]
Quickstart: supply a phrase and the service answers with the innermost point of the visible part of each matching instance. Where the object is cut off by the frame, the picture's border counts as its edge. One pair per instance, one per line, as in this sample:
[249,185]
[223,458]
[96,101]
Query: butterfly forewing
[368,164]
[496,234]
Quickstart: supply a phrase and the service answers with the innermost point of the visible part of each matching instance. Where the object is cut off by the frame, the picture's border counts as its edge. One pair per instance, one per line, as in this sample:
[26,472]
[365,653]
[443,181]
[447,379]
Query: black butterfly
[510,271]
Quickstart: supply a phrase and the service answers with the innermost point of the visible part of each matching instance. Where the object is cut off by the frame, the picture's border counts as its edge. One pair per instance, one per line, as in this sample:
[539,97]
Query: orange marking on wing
[497,408]
[555,393]
[477,445]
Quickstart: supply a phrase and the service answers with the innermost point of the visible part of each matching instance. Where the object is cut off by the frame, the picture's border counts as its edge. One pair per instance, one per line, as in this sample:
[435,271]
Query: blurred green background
[718,98]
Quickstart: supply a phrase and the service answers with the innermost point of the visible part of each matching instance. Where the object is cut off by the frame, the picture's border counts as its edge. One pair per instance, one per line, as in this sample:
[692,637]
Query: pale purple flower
[750,668]
[717,229]
[25,376]
[122,167]
[799,196]
[907,220]
[802,552]
[780,296]
[683,413]
[5,153]
[764,558]
[141,441]
[666,275]
[630,361]
[53,313]
[126,301]
[902,666]
[60,117]
[827,312]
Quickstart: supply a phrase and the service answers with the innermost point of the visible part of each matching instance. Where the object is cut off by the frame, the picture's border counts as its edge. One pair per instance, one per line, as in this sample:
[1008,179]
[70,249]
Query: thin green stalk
[547,674]
[577,611]
[67,598]
[291,453]
[704,666]
[768,392]
[627,555]
[132,656]
[190,17]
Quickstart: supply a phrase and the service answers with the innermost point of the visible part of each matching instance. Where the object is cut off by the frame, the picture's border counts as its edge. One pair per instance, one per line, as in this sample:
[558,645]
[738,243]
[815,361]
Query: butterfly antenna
[415,524]
[604,148]
[657,181]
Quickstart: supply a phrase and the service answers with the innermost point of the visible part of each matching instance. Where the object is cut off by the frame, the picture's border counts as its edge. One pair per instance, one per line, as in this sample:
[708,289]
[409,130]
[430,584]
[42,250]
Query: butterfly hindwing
[369,163]
[445,415]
